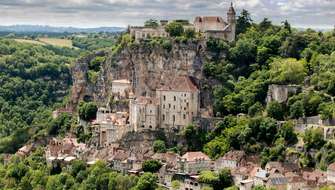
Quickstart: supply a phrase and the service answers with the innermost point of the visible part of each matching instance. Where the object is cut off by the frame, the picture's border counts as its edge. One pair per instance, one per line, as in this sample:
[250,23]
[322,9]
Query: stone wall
[281,93]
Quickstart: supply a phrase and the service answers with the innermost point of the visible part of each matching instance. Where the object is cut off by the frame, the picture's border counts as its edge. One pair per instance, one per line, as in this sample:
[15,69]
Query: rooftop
[121,81]
[234,155]
[194,156]
[180,84]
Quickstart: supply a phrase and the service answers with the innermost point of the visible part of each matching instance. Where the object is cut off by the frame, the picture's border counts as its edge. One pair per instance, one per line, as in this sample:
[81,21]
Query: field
[56,42]
[48,41]
[29,41]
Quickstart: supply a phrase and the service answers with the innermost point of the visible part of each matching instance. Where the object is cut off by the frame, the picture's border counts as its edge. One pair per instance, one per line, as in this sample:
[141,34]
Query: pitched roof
[209,19]
[277,179]
[146,100]
[180,84]
[194,156]
[234,155]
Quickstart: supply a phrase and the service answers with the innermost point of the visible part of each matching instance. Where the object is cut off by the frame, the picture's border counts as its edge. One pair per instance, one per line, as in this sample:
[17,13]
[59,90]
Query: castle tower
[231,18]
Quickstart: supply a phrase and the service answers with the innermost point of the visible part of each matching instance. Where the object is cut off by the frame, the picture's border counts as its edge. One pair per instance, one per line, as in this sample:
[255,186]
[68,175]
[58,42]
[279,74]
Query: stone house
[25,150]
[331,173]
[142,32]
[247,184]
[296,183]
[178,103]
[144,113]
[110,127]
[120,162]
[63,149]
[121,87]
[315,178]
[277,181]
[216,27]
[194,162]
[260,177]
[232,159]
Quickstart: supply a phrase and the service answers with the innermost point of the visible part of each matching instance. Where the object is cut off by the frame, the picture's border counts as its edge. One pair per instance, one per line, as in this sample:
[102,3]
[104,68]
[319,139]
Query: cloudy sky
[92,13]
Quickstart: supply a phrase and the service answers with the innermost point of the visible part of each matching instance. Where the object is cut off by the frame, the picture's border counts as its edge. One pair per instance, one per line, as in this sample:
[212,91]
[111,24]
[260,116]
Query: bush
[159,146]
[275,110]
[151,166]
[88,111]
[175,29]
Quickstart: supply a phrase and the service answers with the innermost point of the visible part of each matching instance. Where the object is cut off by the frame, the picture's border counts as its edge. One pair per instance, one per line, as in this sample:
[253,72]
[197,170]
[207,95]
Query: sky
[93,13]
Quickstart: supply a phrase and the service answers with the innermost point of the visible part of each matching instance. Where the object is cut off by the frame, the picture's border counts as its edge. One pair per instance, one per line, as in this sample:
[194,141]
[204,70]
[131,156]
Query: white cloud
[124,12]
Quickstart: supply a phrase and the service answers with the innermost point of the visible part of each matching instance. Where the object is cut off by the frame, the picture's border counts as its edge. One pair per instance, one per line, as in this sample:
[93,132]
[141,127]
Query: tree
[175,29]
[275,110]
[152,166]
[287,71]
[217,147]
[243,22]
[243,54]
[159,146]
[151,23]
[297,110]
[175,185]
[147,181]
[265,24]
[87,111]
[313,138]
[255,109]
[286,131]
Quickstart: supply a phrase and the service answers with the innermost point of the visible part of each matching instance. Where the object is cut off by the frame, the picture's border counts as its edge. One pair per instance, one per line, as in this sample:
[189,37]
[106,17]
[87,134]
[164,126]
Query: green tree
[152,166]
[297,110]
[147,181]
[287,71]
[175,29]
[159,146]
[243,22]
[286,131]
[275,110]
[313,138]
[151,23]
[87,111]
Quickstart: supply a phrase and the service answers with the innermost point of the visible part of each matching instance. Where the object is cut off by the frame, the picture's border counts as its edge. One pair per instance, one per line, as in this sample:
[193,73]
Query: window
[174,107]
[142,126]
[184,116]
[174,98]
[163,106]
[169,105]
[173,118]
[164,98]
[163,117]
[150,126]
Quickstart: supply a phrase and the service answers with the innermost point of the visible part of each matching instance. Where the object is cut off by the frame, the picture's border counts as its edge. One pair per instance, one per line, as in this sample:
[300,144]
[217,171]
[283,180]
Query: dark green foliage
[96,63]
[243,22]
[152,166]
[195,138]
[297,110]
[286,132]
[88,111]
[147,181]
[275,110]
[220,180]
[151,23]
[255,109]
[175,29]
[159,146]
[60,125]
[313,139]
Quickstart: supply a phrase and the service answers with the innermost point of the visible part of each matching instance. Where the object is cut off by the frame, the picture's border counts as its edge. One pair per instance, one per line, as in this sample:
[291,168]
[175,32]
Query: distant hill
[51,29]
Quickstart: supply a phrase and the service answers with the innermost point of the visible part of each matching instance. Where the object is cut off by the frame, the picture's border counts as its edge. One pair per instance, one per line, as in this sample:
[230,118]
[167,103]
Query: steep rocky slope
[147,66]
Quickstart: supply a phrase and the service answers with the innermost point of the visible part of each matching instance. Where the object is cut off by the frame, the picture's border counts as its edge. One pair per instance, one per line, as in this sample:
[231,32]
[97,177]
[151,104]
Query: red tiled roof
[146,100]
[207,19]
[193,156]
[180,84]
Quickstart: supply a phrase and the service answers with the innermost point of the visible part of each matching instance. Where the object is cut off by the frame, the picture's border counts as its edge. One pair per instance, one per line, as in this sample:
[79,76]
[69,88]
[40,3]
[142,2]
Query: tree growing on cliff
[152,166]
[175,29]
[87,111]
[159,146]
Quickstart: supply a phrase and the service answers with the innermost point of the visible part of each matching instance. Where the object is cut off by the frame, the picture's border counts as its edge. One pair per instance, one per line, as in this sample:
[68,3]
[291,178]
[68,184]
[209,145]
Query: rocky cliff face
[147,67]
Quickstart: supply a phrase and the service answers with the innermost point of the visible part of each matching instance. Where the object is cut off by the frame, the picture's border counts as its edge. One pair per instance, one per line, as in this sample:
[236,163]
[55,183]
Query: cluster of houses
[245,170]
[210,26]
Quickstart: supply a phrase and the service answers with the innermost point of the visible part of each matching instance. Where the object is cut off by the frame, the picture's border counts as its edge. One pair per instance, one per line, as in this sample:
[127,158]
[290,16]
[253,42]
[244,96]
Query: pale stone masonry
[121,87]
[178,103]
[210,26]
[144,113]
[194,163]
[331,173]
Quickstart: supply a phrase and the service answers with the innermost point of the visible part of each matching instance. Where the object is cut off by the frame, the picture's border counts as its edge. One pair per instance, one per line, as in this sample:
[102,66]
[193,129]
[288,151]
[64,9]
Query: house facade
[194,163]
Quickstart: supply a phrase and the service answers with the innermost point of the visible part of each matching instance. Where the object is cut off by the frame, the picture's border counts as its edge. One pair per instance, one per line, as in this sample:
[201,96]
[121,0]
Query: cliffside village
[175,106]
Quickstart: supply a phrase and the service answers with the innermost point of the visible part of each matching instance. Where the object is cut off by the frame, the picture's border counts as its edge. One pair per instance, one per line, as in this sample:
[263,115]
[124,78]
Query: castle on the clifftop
[209,26]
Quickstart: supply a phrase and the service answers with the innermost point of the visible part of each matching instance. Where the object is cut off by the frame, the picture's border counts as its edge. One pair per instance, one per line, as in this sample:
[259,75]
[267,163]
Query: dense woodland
[34,80]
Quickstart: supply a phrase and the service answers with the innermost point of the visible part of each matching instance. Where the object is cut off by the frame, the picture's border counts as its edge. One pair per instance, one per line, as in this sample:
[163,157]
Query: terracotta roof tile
[180,84]
[193,156]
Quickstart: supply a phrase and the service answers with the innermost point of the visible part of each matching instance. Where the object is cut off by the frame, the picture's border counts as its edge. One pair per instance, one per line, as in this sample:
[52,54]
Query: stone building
[109,127]
[144,113]
[142,32]
[194,163]
[121,87]
[231,160]
[216,27]
[281,93]
[178,103]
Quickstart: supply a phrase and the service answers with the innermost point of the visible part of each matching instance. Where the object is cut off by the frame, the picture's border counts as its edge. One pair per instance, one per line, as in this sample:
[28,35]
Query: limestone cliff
[147,66]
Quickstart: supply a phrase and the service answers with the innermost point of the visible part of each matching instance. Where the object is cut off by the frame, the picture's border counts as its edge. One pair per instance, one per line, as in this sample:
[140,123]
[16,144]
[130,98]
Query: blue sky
[92,13]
